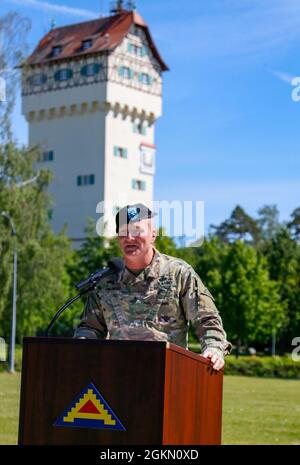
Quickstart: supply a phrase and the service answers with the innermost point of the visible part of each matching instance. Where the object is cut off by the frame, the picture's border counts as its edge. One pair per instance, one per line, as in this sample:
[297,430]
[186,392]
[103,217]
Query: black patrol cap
[132,213]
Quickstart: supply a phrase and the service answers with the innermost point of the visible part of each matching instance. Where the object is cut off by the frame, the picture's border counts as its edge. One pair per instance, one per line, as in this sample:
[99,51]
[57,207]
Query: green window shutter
[143,185]
[63,74]
[121,71]
[140,77]
[78,180]
[129,47]
[92,179]
[133,184]
[115,151]
[90,70]
[96,68]
[143,51]
[144,130]
[134,128]
[131,73]
[150,80]
[125,153]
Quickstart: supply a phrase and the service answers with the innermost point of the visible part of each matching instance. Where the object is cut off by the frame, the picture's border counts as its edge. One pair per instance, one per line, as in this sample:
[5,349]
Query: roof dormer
[86,44]
[56,51]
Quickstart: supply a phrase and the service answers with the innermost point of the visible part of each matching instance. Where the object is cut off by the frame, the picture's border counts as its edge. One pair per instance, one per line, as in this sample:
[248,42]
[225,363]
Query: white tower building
[91,93]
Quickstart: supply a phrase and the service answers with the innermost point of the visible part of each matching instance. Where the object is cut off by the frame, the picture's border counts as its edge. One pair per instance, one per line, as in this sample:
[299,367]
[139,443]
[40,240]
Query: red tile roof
[107,33]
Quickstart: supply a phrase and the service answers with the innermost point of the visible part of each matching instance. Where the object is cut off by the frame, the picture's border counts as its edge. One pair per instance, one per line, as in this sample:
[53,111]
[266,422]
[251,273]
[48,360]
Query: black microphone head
[116,263]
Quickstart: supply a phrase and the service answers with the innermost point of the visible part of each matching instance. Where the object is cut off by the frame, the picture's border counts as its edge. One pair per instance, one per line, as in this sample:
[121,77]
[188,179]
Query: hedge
[262,366]
[265,367]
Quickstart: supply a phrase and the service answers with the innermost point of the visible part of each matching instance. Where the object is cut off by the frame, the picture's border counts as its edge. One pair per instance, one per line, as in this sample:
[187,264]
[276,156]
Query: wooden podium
[151,393]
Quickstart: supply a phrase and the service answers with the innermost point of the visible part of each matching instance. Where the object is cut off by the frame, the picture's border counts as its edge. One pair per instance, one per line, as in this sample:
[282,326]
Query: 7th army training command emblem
[90,410]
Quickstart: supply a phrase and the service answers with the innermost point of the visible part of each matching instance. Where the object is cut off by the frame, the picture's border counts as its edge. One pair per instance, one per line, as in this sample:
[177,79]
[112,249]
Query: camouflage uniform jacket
[158,304]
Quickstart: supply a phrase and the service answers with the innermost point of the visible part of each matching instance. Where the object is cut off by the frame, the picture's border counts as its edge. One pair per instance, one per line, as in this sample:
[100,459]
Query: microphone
[84,286]
[114,264]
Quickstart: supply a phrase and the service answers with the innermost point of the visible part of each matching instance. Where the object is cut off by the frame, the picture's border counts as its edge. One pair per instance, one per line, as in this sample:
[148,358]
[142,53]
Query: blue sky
[230,128]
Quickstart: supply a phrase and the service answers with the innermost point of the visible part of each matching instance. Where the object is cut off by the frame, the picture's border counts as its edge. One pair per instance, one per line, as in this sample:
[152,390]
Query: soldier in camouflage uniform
[154,297]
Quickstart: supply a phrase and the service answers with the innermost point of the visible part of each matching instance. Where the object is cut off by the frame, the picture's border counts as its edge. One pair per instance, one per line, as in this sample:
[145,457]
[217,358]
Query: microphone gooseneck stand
[66,305]
[87,285]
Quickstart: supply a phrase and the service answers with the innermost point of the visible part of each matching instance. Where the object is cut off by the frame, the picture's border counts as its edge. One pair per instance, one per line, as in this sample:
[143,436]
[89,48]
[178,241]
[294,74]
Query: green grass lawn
[255,410]
[9,407]
[261,411]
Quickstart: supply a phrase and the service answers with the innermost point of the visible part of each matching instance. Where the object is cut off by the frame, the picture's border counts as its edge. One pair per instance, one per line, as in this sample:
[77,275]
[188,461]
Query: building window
[63,74]
[46,156]
[56,50]
[120,152]
[140,128]
[145,78]
[136,50]
[147,159]
[138,185]
[126,72]
[90,70]
[86,180]
[37,79]
[86,44]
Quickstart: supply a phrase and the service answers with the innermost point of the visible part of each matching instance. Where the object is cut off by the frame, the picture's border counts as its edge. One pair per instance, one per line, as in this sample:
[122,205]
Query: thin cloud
[60,9]
[250,27]
[285,77]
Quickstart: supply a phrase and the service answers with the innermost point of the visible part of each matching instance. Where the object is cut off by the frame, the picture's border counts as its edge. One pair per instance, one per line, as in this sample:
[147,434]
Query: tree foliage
[294,224]
[282,253]
[240,226]
[43,283]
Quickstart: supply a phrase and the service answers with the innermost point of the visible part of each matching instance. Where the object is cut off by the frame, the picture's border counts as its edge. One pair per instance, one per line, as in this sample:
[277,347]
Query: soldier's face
[137,238]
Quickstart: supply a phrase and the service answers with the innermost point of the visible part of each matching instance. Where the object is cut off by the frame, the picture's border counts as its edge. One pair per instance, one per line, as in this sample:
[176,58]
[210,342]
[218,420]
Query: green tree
[250,302]
[207,262]
[43,284]
[282,253]
[268,221]
[164,243]
[294,225]
[240,226]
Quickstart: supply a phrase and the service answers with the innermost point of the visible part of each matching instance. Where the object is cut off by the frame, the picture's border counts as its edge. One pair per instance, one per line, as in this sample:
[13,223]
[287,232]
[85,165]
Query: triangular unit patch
[90,410]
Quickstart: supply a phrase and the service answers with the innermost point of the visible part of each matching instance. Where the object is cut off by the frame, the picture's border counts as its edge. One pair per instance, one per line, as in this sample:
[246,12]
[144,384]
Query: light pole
[14,304]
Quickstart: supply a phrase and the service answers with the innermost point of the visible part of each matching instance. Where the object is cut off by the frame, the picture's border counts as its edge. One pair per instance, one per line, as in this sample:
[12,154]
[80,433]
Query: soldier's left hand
[216,359]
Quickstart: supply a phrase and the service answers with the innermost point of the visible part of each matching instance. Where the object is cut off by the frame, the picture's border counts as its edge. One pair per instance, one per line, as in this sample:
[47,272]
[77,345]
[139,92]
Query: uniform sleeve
[92,324]
[201,311]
